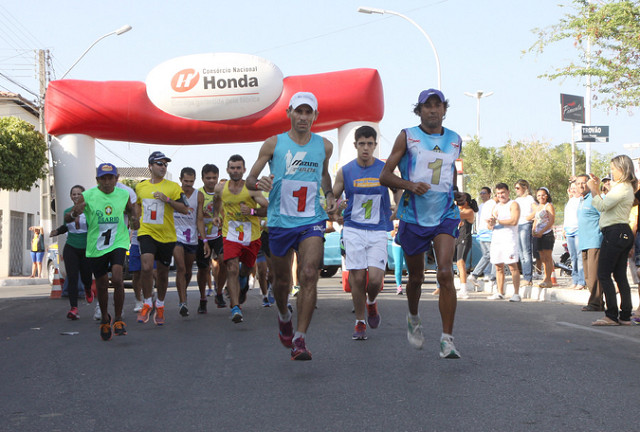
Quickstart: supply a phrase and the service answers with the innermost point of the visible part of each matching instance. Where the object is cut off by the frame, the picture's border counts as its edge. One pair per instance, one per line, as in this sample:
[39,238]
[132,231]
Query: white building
[18,210]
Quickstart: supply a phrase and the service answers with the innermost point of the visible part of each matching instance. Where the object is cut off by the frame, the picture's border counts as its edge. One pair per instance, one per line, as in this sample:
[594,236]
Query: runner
[367,219]
[298,160]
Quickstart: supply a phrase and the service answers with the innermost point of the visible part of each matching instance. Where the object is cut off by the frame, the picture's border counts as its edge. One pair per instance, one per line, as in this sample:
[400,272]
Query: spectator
[468,209]
[526,203]
[37,251]
[543,234]
[571,234]
[484,238]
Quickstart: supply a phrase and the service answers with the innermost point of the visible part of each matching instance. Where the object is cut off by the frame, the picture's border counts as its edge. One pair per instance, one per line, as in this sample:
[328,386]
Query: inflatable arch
[77,112]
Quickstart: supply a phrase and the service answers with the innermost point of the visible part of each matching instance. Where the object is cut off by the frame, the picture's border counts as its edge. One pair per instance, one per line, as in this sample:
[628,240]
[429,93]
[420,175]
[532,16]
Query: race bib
[108,232]
[239,232]
[435,169]
[297,198]
[153,211]
[366,209]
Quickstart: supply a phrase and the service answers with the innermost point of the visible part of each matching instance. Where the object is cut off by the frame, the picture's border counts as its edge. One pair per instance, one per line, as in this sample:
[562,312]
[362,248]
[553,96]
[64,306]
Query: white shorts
[364,248]
[503,252]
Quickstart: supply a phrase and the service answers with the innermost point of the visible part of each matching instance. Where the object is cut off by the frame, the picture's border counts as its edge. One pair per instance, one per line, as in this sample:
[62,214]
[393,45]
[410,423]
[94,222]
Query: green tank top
[105,221]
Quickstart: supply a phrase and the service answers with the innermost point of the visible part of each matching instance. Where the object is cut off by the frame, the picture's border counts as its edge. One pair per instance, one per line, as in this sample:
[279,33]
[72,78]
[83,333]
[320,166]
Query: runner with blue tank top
[367,219]
[426,156]
[298,160]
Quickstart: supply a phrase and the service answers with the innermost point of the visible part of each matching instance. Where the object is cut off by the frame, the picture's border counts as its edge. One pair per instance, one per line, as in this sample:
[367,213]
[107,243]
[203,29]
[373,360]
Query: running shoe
[360,332]
[105,330]
[97,313]
[73,314]
[119,328]
[265,302]
[286,332]
[220,301]
[515,298]
[448,349]
[158,317]
[144,314]
[399,290]
[183,309]
[463,293]
[202,309]
[373,317]
[294,291]
[270,296]
[88,295]
[414,333]
[299,350]
[472,283]
[209,292]
[496,296]
[138,306]
[236,314]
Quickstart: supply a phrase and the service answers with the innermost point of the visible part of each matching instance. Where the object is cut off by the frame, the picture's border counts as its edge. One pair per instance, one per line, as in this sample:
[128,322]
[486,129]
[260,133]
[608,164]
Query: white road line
[600,331]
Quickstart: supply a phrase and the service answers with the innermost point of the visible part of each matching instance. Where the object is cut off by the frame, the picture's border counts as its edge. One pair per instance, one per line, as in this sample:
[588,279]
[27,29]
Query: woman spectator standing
[468,208]
[571,234]
[37,251]
[543,235]
[617,238]
[525,224]
[75,260]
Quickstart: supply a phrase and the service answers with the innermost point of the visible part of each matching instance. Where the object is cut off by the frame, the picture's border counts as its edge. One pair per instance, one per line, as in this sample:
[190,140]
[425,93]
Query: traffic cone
[554,281]
[56,288]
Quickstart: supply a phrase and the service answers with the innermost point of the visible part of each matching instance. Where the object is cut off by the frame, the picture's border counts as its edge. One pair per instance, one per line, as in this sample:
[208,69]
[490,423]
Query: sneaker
[515,298]
[145,313]
[414,333]
[97,313]
[360,332]
[202,309]
[373,317]
[183,309]
[270,296]
[399,290]
[265,302]
[209,292]
[119,328]
[88,295]
[158,317]
[105,330]
[299,350]
[138,306]
[294,291]
[472,283]
[463,293]
[73,314]
[286,332]
[448,349]
[496,296]
[220,301]
[236,314]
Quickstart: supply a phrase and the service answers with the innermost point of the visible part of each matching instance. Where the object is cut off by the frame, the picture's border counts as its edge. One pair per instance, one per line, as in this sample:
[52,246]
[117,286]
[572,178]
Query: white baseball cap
[304,98]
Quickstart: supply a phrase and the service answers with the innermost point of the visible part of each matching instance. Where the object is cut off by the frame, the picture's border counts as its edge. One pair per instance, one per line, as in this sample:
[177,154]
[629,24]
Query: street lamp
[369,10]
[117,32]
[478,95]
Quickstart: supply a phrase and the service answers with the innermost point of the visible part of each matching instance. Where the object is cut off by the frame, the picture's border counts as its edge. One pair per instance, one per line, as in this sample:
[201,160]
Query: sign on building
[572,108]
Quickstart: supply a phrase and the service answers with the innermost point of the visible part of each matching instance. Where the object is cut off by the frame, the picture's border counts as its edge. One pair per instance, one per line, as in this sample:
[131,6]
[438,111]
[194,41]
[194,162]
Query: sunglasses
[160,163]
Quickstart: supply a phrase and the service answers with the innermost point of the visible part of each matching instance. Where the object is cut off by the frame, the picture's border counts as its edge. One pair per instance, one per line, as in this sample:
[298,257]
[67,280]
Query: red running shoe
[299,350]
[286,333]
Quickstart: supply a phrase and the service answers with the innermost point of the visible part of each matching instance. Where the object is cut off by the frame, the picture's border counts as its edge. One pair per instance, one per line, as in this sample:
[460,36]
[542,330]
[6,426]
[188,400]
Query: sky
[480,46]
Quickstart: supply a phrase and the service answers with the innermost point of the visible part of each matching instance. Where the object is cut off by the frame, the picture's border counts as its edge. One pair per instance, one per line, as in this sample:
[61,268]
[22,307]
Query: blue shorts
[134,259]
[36,257]
[416,239]
[281,240]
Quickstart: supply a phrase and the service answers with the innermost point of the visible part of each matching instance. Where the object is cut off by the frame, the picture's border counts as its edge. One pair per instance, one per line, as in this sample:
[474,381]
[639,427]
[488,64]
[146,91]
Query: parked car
[53,261]
[332,255]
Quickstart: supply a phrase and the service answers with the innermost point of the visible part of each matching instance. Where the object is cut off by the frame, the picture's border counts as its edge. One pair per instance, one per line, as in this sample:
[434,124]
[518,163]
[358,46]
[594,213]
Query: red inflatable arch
[122,111]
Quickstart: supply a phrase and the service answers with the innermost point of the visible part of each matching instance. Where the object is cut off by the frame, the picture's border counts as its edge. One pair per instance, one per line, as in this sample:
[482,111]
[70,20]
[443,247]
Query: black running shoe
[202,309]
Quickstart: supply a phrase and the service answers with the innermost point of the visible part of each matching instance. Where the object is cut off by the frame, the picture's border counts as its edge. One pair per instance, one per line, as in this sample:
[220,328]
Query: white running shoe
[448,349]
[496,296]
[138,306]
[463,294]
[414,333]
[515,298]
[97,315]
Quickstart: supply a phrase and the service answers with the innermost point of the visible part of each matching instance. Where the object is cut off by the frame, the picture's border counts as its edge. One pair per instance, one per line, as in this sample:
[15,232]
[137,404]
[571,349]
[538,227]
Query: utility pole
[45,184]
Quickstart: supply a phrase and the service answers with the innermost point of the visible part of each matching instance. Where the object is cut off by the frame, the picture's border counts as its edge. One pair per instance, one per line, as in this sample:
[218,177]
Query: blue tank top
[429,159]
[294,199]
[368,204]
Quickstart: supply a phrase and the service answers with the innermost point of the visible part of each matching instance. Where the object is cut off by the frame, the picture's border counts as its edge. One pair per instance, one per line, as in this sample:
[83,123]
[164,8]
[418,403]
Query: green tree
[23,154]
[613,60]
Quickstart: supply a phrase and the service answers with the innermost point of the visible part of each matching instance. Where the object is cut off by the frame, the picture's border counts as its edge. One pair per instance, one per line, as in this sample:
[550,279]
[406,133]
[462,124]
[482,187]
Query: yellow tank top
[211,230]
[238,227]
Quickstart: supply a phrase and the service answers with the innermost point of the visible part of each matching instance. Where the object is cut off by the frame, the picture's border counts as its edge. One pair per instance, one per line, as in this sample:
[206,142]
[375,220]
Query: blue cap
[106,168]
[156,156]
[426,94]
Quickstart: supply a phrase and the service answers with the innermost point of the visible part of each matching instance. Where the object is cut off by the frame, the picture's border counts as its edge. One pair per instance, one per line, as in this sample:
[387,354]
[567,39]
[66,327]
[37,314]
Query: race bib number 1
[153,211]
[107,236]
[297,198]
[366,209]
[239,232]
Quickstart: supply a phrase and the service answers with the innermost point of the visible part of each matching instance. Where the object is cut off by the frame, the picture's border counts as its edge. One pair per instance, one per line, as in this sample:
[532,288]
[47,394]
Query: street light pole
[478,95]
[118,32]
[369,10]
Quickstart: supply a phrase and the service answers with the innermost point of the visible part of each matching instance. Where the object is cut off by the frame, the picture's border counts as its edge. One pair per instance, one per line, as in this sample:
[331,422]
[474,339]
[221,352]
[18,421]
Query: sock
[360,321]
[159,303]
[415,319]
[446,336]
[148,301]
[285,318]
[299,335]
[369,302]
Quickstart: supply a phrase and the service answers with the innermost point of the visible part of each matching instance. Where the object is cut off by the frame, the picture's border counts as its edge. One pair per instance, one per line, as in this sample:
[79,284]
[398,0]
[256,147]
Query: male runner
[186,232]
[240,231]
[107,241]
[158,198]
[367,219]
[427,211]
[210,240]
[298,160]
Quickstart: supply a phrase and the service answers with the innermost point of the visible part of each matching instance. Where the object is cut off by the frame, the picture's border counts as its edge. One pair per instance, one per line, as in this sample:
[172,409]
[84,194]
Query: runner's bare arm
[264,156]
[326,178]
[390,179]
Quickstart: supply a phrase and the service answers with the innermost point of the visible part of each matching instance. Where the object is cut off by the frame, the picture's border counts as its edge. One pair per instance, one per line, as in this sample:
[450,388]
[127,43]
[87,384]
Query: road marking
[595,330]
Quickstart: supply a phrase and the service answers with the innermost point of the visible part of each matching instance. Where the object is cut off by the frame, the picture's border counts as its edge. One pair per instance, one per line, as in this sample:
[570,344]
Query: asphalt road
[525,367]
